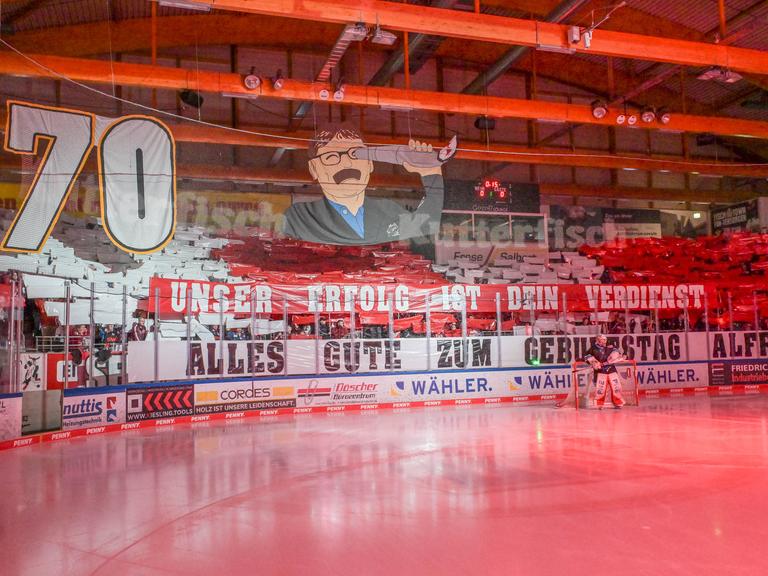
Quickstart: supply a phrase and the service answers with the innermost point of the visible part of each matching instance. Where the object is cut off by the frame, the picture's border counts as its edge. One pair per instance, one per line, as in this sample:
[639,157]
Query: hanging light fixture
[621,117]
[252,81]
[191,98]
[648,115]
[278,80]
[599,109]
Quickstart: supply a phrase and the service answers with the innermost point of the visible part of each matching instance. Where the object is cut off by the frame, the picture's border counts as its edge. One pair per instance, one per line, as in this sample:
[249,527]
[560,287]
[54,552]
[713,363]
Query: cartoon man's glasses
[333,158]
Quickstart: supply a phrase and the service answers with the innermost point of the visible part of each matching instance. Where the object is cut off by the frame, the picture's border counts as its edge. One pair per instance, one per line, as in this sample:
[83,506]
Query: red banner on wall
[179,296]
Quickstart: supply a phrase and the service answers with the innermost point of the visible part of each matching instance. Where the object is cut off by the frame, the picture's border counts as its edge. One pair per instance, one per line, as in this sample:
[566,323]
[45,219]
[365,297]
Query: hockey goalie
[603,357]
[604,370]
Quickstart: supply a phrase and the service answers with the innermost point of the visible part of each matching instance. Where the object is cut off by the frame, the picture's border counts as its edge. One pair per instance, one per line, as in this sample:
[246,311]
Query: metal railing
[96,352]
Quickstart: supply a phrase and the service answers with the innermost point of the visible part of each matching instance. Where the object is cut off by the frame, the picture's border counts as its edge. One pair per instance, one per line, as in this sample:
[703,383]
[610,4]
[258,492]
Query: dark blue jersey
[601,354]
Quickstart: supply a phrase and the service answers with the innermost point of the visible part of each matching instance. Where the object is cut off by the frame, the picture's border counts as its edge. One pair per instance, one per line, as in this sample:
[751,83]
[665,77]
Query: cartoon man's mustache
[347,174]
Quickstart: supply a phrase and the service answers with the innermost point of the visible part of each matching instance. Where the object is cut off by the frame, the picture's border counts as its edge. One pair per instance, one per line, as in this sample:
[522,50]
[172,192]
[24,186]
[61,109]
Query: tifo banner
[743,345]
[178,296]
[554,350]
[159,402]
[204,360]
[342,164]
[137,165]
[32,370]
[85,407]
[223,212]
[209,360]
[10,416]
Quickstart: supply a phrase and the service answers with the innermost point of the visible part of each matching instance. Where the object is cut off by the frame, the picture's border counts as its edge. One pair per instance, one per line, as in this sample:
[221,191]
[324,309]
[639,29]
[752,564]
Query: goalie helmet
[602,339]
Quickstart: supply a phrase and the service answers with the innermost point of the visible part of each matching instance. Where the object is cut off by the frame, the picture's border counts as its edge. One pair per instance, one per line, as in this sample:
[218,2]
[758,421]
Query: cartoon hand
[421,147]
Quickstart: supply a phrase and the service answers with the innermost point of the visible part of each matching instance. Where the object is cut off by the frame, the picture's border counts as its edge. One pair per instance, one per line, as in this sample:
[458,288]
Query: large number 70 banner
[137,174]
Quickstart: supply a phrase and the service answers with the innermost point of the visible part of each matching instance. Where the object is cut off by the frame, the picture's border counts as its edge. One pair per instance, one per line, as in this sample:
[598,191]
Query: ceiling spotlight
[720,74]
[713,73]
[252,81]
[631,119]
[278,80]
[664,116]
[599,109]
[621,118]
[383,37]
[191,98]
[648,115]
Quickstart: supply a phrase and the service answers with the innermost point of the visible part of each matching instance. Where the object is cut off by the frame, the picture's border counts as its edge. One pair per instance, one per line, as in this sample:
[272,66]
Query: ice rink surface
[675,487]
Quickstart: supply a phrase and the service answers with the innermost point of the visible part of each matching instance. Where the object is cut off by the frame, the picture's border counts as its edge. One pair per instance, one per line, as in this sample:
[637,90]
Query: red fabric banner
[402,298]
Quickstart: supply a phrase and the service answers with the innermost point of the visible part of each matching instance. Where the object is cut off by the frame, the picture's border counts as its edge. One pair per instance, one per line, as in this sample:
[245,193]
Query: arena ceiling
[452,62]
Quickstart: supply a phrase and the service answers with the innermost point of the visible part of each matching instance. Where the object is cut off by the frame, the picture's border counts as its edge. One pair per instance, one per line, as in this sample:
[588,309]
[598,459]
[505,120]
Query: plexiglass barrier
[92,335]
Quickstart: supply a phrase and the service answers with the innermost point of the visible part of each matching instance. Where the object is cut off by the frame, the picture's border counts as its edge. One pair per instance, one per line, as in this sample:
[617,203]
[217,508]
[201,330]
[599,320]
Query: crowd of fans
[737,263]
[110,336]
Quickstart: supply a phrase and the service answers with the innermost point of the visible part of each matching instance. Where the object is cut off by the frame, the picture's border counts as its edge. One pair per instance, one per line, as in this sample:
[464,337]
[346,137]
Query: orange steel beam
[132,35]
[503,30]
[631,193]
[471,151]
[405,182]
[477,151]
[83,40]
[101,71]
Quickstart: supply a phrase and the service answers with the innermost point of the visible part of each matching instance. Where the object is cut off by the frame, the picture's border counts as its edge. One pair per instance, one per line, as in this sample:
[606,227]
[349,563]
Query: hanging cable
[201,122]
[111,56]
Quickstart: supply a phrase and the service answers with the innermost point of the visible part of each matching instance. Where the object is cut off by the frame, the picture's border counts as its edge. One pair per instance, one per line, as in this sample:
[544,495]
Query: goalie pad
[606,382]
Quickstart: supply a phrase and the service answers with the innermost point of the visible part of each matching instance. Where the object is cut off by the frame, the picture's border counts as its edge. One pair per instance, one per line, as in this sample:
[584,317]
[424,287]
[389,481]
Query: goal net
[583,385]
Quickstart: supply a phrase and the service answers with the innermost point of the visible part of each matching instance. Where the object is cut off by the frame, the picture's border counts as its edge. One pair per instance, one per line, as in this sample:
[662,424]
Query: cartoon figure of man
[338,162]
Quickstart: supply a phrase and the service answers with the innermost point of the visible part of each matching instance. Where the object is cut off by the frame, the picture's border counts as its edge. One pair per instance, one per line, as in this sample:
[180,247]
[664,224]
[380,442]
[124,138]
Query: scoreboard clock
[491,195]
[491,190]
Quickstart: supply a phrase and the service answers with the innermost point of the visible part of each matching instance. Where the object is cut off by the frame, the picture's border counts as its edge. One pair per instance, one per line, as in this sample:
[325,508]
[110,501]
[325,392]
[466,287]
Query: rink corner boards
[95,411]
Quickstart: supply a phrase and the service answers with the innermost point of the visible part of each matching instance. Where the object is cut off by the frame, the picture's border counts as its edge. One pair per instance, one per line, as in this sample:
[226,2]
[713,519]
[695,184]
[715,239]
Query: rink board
[270,397]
